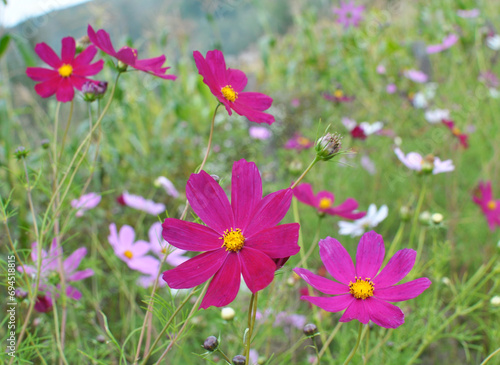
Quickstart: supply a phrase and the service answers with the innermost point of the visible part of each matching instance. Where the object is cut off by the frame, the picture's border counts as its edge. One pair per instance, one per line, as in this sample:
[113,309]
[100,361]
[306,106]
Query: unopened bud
[227,313]
[21,152]
[211,343]
[328,146]
[94,90]
[405,213]
[100,338]
[239,360]
[437,218]
[45,143]
[495,301]
[424,217]
[310,329]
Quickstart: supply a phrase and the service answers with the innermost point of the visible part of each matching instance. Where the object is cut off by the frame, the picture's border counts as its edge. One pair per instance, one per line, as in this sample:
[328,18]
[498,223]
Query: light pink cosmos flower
[381,69]
[67,73]
[227,85]
[448,41]
[323,202]
[298,142]
[85,202]
[160,247]
[132,253]
[416,76]
[261,133]
[483,197]
[140,203]
[391,88]
[362,290]
[436,115]
[167,185]
[50,268]
[415,161]
[348,14]
[240,238]
[471,13]
[489,78]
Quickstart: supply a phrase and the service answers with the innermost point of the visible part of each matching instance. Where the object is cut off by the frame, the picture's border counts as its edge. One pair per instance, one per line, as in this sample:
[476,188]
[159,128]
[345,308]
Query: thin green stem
[417,213]
[316,159]
[353,352]
[66,129]
[497,351]
[328,341]
[252,311]
[223,355]
[396,240]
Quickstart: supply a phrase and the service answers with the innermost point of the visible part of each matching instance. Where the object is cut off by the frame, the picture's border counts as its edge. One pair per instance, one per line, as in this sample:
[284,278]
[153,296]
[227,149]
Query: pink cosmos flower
[483,197]
[362,290]
[128,56]
[67,73]
[130,252]
[381,69]
[160,247]
[338,96]
[140,203]
[448,41]
[489,78]
[50,268]
[227,85]
[462,137]
[416,76]
[349,14]
[167,185]
[85,202]
[361,130]
[261,133]
[415,161]
[471,13]
[241,237]
[298,142]
[391,88]
[324,200]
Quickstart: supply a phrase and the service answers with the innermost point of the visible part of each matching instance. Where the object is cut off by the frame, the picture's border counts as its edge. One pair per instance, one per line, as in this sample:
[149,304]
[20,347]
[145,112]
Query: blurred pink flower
[168,186]
[363,129]
[295,102]
[298,142]
[261,133]
[448,41]
[362,290]
[348,14]
[471,13]
[462,137]
[338,96]
[381,69]
[160,247]
[416,76]
[140,203]
[415,161]
[368,164]
[489,78]
[483,197]
[391,88]
[85,202]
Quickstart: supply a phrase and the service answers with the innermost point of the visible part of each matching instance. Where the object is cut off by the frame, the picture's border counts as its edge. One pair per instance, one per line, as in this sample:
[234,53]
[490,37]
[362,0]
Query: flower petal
[396,269]
[225,285]
[322,284]
[269,212]
[73,293]
[384,314]
[331,304]
[237,79]
[48,88]
[68,50]
[304,193]
[80,275]
[336,260]
[208,76]
[73,260]
[370,255]
[246,191]
[406,291]
[65,91]
[144,264]
[140,248]
[216,62]
[190,236]
[196,270]
[89,70]
[257,269]
[357,310]
[48,55]
[41,74]
[101,40]
[251,114]
[209,202]
[276,242]
[253,100]
[126,237]
[85,57]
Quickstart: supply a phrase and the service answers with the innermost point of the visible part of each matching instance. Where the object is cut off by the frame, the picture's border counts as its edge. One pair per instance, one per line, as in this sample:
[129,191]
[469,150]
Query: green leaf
[4,43]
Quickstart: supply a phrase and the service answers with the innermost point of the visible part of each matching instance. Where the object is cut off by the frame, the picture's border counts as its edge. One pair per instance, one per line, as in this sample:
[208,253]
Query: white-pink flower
[168,186]
[85,202]
[160,247]
[140,203]
[416,76]
[415,161]
[471,13]
[448,41]
[437,115]
[261,133]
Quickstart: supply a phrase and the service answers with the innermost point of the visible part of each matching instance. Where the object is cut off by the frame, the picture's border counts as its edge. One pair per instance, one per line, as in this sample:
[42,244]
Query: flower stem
[417,213]
[353,352]
[224,355]
[497,351]
[328,341]
[252,311]
[316,159]
[66,130]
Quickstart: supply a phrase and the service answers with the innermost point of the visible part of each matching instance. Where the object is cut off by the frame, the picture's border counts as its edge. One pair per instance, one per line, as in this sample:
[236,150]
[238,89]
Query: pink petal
[80,275]
[48,55]
[348,205]
[151,64]
[41,74]
[89,70]
[126,237]
[237,79]
[396,269]
[102,40]
[276,242]
[336,260]
[209,202]
[257,269]
[73,293]
[65,91]
[190,236]
[304,193]
[253,100]
[144,264]
[127,55]
[357,310]
[246,191]
[370,255]
[251,114]
[68,50]
[140,248]
[322,284]
[48,88]
[330,304]
[208,76]
[269,212]
[384,314]
[404,291]
[225,285]
[85,57]
[196,270]
[73,260]
[216,62]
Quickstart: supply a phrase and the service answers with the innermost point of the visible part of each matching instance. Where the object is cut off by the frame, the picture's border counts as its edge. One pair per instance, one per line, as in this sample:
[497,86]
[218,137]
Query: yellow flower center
[456,131]
[303,141]
[325,203]
[229,93]
[65,70]
[338,93]
[361,289]
[492,205]
[163,250]
[233,240]
[128,254]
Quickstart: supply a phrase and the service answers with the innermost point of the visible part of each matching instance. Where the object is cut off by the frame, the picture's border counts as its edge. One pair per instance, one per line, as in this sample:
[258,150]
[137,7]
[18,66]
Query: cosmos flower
[261,133]
[348,14]
[364,291]
[448,41]
[489,79]
[227,85]
[128,56]
[85,202]
[462,137]
[415,161]
[471,13]
[298,142]
[50,270]
[381,69]
[436,115]
[140,203]
[363,129]
[416,76]
[160,247]
[493,42]
[323,202]
[167,185]
[483,197]
[240,238]
[372,219]
[391,88]
[338,96]
[67,73]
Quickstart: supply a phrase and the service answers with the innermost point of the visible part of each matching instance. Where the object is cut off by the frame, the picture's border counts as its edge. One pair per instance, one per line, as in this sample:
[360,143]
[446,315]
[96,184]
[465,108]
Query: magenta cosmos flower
[67,73]
[324,200]
[227,85]
[349,14]
[363,291]
[128,56]
[298,142]
[462,137]
[241,237]
[483,197]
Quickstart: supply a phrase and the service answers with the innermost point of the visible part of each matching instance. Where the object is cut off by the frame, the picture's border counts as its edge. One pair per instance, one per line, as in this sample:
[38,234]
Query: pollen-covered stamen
[128,254]
[229,93]
[233,240]
[325,203]
[65,70]
[338,93]
[492,205]
[456,131]
[361,289]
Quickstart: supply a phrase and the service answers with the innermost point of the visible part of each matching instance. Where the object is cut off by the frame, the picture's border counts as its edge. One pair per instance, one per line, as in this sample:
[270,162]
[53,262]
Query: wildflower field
[330,194]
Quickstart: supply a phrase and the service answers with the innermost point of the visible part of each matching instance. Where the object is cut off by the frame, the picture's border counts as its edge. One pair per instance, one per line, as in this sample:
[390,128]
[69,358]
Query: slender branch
[353,352]
[316,159]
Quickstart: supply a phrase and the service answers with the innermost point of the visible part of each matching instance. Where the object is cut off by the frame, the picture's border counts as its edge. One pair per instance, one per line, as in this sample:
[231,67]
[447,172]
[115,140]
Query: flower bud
[405,213]
[21,152]
[45,143]
[227,313]
[239,360]
[437,218]
[211,343]
[121,66]
[94,90]
[100,339]
[328,146]
[310,329]
[495,301]
[82,43]
[424,217]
